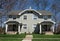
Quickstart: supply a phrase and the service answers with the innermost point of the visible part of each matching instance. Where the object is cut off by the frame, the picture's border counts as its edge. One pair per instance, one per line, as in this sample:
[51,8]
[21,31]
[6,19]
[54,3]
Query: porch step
[48,33]
[11,32]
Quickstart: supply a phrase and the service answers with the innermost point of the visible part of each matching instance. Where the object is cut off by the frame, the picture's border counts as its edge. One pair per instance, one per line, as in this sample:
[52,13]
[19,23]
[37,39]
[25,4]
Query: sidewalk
[28,38]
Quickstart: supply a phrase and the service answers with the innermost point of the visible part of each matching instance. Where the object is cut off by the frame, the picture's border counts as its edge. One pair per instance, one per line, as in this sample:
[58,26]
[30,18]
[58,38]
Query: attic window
[28,12]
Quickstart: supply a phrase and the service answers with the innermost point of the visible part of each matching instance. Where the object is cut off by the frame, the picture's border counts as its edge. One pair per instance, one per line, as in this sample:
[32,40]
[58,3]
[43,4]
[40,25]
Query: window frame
[45,17]
[49,16]
[14,16]
[25,26]
[34,17]
[34,25]
[10,16]
[25,17]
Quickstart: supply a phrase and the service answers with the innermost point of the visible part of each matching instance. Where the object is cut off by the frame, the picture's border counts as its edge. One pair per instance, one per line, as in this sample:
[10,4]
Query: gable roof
[14,12]
[18,12]
[45,12]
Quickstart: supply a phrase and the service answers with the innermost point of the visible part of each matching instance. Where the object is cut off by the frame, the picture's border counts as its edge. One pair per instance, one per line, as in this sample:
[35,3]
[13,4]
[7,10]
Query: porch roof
[47,23]
[12,22]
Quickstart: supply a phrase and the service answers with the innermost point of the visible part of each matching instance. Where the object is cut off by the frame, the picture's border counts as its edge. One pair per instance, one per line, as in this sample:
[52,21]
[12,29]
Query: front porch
[13,27]
[46,27]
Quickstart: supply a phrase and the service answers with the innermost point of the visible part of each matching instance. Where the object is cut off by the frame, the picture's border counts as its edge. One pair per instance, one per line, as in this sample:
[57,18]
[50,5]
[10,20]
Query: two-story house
[29,21]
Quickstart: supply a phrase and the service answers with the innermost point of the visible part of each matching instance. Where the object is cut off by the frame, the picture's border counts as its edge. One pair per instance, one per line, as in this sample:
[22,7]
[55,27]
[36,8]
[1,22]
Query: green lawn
[21,36]
[45,37]
[11,37]
[46,40]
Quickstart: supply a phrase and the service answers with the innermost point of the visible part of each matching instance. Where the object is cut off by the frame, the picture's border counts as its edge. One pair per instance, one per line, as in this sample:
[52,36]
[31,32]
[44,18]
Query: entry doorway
[46,28]
[13,27]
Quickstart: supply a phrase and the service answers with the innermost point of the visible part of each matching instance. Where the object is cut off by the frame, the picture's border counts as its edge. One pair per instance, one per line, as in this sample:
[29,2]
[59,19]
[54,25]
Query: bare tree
[0,19]
[54,9]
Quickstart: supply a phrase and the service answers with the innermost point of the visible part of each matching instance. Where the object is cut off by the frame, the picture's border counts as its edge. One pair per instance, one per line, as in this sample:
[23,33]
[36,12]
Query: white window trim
[34,25]
[34,16]
[26,17]
[24,25]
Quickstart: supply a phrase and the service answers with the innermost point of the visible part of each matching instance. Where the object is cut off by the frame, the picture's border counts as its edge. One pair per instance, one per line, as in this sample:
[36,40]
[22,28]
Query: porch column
[18,28]
[6,28]
[53,28]
[40,29]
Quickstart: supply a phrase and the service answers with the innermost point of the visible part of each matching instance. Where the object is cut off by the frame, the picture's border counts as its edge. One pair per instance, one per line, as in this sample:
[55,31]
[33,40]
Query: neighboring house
[29,21]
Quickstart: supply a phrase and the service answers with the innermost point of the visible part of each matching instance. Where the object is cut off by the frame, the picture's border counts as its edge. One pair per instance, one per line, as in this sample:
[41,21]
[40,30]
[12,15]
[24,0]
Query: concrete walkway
[28,38]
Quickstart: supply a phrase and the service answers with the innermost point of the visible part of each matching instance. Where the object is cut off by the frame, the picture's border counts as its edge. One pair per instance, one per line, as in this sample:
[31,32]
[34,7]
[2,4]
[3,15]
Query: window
[34,25]
[28,12]
[10,16]
[49,16]
[25,17]
[35,17]
[41,16]
[25,26]
[45,17]
[14,16]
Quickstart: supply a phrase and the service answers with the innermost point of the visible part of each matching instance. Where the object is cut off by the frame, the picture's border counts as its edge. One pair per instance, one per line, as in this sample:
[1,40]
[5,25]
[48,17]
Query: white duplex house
[29,21]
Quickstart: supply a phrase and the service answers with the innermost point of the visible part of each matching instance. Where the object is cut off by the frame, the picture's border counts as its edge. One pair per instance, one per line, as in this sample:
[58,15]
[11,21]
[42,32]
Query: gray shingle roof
[15,12]
[43,12]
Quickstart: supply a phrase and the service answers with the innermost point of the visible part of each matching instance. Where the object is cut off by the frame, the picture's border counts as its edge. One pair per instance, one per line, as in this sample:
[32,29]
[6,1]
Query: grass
[46,40]
[10,39]
[21,36]
[39,37]
[46,36]
[5,37]
[12,36]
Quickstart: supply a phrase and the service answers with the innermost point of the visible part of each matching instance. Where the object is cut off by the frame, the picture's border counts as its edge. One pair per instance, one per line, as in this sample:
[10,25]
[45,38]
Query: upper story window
[12,16]
[45,17]
[49,16]
[25,26]
[25,17]
[41,16]
[35,17]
